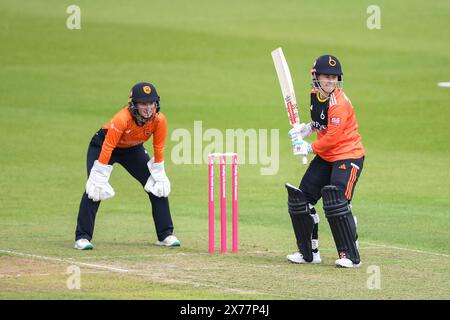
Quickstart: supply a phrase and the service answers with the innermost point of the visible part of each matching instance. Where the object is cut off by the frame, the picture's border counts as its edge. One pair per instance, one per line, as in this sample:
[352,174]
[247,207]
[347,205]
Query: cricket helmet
[142,92]
[326,64]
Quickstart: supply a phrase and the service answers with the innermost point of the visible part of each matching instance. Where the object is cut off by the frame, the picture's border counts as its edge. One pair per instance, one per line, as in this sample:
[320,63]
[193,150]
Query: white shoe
[169,241]
[83,244]
[347,263]
[298,258]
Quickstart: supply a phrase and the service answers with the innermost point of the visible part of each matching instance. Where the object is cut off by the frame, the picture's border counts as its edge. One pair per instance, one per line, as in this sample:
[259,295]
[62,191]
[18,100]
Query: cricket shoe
[169,241]
[298,258]
[347,263]
[83,244]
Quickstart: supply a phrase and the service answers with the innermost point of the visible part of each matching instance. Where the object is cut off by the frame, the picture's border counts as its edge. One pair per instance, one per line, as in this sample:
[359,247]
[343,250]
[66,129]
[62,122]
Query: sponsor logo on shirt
[114,127]
[318,126]
[335,121]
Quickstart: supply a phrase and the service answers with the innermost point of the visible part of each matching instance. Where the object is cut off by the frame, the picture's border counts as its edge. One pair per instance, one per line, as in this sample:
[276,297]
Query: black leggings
[134,160]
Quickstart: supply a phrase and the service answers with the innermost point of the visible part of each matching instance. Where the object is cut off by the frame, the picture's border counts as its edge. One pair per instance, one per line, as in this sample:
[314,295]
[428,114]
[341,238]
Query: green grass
[211,62]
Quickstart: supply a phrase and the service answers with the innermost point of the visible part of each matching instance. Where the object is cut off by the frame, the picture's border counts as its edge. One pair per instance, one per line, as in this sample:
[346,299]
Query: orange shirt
[340,140]
[123,132]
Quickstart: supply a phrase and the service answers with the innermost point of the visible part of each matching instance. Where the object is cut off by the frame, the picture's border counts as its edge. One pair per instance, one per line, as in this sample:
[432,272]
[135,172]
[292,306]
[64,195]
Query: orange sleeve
[337,116]
[159,138]
[116,128]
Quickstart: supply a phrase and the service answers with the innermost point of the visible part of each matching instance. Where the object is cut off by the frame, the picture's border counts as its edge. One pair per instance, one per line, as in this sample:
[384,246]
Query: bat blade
[287,88]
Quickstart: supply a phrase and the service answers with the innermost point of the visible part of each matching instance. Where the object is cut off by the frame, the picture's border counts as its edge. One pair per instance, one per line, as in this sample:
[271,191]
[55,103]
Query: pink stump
[223,204]
[211,202]
[234,209]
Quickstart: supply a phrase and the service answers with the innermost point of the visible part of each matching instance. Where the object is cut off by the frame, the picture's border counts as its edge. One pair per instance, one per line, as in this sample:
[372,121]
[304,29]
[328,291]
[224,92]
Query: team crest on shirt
[147,132]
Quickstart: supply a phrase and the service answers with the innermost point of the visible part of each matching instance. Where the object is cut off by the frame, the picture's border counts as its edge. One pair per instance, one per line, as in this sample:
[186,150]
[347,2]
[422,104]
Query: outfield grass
[210,61]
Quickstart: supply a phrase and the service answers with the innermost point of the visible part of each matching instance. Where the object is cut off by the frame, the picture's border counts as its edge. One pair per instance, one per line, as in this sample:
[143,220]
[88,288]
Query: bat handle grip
[305,160]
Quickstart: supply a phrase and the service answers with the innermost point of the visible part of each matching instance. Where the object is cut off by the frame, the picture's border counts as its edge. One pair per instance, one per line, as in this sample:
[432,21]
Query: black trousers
[343,174]
[134,160]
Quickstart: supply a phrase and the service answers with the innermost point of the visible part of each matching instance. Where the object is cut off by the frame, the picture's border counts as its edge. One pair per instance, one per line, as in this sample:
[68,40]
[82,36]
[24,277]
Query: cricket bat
[287,89]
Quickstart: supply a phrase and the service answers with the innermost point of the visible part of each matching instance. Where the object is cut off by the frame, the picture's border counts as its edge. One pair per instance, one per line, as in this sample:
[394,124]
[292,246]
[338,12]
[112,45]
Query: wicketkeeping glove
[157,183]
[97,186]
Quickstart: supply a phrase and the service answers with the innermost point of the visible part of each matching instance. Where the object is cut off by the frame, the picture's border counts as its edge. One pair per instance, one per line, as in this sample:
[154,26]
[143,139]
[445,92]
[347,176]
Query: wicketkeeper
[121,140]
[334,171]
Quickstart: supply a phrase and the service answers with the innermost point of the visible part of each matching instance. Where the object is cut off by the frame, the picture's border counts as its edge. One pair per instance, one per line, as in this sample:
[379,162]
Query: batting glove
[302,130]
[301,147]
